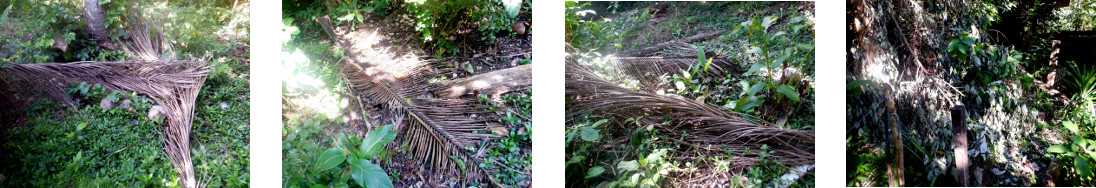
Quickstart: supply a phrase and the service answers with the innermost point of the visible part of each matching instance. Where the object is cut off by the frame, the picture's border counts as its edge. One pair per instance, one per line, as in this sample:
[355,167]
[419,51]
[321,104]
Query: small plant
[357,161]
[1078,152]
[780,62]
[348,158]
[963,47]
[352,12]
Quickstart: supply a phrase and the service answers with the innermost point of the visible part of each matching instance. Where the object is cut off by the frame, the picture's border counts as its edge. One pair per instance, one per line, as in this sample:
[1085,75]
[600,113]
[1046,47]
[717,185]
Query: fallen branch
[494,83]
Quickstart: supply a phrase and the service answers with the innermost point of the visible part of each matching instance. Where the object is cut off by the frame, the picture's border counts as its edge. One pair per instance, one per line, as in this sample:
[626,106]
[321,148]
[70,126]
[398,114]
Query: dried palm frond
[650,70]
[146,41]
[703,124]
[436,128]
[173,84]
[436,131]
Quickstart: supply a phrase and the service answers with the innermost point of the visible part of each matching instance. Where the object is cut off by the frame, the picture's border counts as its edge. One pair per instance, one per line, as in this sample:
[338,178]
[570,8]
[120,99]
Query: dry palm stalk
[704,125]
[494,82]
[436,131]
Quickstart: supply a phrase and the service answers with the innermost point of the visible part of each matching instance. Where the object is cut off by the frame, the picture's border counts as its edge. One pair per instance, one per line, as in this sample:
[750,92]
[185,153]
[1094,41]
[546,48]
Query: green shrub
[348,158]
[439,21]
[1077,153]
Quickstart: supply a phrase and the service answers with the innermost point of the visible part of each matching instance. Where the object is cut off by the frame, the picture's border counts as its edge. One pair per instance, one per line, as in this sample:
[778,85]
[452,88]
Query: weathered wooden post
[898,147]
[1051,77]
[959,143]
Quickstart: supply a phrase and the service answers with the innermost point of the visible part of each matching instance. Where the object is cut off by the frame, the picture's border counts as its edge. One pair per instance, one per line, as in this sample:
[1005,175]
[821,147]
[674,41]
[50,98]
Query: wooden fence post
[959,143]
[896,135]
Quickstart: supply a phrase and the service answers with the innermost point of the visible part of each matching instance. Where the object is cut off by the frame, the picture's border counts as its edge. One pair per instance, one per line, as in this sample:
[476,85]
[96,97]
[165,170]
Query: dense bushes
[442,23]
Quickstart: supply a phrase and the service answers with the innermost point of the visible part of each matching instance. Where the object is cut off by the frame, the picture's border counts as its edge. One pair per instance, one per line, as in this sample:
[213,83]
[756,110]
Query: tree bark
[959,143]
[898,147]
[95,20]
[494,82]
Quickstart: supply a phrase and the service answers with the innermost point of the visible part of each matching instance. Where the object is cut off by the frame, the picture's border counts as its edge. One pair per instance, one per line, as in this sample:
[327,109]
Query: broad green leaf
[654,156]
[796,19]
[81,126]
[701,57]
[348,17]
[746,103]
[855,83]
[628,165]
[367,174]
[968,40]
[590,134]
[576,159]
[756,88]
[1056,149]
[779,61]
[753,50]
[350,159]
[329,159]
[599,122]
[1071,127]
[768,21]
[788,92]
[1082,166]
[708,63]
[594,172]
[753,69]
[374,142]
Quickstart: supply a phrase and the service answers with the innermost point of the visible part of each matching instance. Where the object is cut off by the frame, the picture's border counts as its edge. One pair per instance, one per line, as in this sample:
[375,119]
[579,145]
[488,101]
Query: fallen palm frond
[680,43]
[703,125]
[650,70]
[146,41]
[173,84]
[436,131]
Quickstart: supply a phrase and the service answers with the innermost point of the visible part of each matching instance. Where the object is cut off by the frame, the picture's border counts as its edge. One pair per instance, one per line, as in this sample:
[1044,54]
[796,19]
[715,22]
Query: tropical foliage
[1027,106]
[656,97]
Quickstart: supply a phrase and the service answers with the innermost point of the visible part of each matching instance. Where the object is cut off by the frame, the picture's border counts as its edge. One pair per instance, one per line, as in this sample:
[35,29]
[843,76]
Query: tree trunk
[896,135]
[95,19]
[491,83]
[959,143]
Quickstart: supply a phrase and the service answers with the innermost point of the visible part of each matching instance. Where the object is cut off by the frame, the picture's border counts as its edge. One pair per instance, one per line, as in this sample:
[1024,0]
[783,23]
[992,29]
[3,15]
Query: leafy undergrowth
[56,145]
[322,114]
[767,82]
[1028,121]
[51,145]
